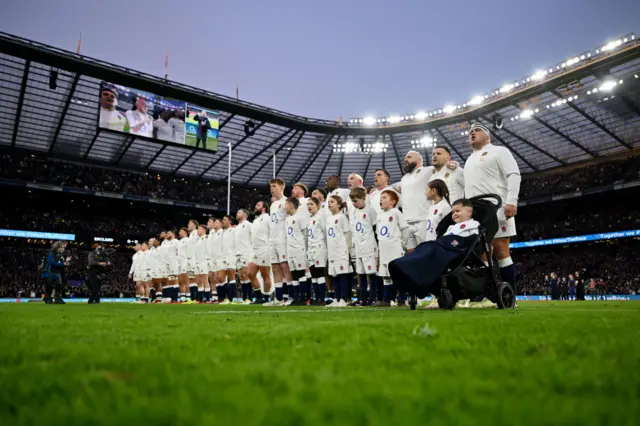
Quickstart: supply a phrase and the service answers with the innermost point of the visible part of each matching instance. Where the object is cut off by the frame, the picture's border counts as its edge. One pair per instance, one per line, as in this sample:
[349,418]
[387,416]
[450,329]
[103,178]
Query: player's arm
[404,228]
[511,172]
[346,230]
[460,181]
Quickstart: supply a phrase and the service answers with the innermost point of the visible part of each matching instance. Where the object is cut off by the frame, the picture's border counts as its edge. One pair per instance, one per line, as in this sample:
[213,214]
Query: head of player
[242,215]
[163,235]
[479,136]
[299,190]
[202,230]
[140,104]
[389,199]
[320,194]
[440,157]
[437,190]
[108,98]
[332,183]
[192,225]
[358,197]
[412,161]
[276,186]
[291,206]
[137,247]
[262,207]
[227,221]
[313,206]
[183,233]
[355,181]
[171,235]
[462,210]
[335,204]
[144,246]
[153,242]
[381,178]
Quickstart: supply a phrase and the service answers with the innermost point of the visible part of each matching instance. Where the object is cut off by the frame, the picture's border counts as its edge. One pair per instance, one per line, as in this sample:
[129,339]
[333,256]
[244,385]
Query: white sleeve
[133,264]
[511,171]
[460,180]
[373,215]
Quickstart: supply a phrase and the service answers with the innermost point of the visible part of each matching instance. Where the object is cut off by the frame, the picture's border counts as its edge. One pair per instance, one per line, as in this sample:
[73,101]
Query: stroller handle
[484,196]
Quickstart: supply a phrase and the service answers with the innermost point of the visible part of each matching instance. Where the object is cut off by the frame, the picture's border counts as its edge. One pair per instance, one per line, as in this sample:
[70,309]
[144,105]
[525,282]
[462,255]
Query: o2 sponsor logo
[384,232]
[331,232]
[290,231]
[274,218]
[310,233]
[359,227]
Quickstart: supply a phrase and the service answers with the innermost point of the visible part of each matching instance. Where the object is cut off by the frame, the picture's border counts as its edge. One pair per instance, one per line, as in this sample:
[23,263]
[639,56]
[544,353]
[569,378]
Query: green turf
[546,363]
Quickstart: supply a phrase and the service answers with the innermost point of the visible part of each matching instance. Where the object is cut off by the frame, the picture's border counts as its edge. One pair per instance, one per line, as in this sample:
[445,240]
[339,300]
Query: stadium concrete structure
[582,109]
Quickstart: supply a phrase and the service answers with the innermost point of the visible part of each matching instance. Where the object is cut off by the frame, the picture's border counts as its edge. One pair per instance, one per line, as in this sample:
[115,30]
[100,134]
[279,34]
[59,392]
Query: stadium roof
[587,110]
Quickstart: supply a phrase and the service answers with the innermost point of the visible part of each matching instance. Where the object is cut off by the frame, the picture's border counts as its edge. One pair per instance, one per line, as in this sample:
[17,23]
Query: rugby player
[242,234]
[260,261]
[297,253]
[317,252]
[338,242]
[229,258]
[454,179]
[278,239]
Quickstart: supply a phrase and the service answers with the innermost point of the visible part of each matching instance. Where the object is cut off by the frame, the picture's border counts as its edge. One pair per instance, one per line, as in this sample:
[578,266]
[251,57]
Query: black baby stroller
[452,267]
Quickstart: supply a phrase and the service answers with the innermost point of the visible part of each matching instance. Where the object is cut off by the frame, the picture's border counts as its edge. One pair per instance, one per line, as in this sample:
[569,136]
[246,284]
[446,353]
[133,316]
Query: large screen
[145,114]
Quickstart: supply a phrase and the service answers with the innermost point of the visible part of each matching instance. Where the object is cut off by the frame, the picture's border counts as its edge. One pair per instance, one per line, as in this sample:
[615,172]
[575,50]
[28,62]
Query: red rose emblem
[336,221]
[364,216]
[504,229]
[463,226]
[314,222]
[436,211]
[283,256]
[317,262]
[299,265]
[390,218]
[341,268]
[369,267]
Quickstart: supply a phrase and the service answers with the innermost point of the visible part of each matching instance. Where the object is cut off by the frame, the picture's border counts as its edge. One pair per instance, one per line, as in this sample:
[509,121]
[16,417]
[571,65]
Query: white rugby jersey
[216,244]
[464,229]
[201,249]
[228,242]
[135,263]
[242,234]
[295,236]
[492,170]
[362,223]
[316,229]
[260,232]
[210,243]
[324,210]
[390,227]
[135,118]
[454,180]
[163,252]
[374,199]
[303,211]
[338,236]
[278,230]
[172,252]
[152,259]
[436,213]
[191,245]
[182,249]
[414,186]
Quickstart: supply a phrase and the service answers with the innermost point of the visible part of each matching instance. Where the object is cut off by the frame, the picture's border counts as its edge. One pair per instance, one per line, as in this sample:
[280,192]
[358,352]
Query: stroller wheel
[446,300]
[506,296]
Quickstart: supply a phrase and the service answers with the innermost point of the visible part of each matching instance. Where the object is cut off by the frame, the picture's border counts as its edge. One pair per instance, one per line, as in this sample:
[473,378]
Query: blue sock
[322,290]
[231,291]
[306,290]
[363,295]
[193,291]
[380,288]
[279,293]
[222,292]
[392,291]
[373,292]
[294,290]
[316,290]
[347,286]
[337,287]
[387,293]
[508,272]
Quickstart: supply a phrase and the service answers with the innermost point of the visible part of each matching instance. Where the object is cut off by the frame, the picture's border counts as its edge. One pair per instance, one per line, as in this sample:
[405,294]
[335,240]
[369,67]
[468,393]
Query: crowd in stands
[39,169]
[19,277]
[579,179]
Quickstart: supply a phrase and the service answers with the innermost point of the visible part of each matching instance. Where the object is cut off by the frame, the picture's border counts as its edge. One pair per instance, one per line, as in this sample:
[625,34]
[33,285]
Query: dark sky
[330,58]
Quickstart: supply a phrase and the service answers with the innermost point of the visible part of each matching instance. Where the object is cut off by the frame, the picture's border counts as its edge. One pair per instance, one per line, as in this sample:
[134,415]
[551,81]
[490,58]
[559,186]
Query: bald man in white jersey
[491,169]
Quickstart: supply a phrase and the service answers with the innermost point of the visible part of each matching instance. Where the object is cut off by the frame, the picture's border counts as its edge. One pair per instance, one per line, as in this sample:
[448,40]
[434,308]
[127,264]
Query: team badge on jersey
[336,221]
[390,218]
[369,267]
[364,216]
[435,211]
[341,268]
[504,229]
[294,222]
[317,262]
[314,222]
[463,226]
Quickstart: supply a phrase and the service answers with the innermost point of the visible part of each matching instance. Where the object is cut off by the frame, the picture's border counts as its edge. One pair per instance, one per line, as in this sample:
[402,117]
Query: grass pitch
[545,363]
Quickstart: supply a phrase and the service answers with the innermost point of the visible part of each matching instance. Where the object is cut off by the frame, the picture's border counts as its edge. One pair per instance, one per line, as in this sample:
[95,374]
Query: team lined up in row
[302,241]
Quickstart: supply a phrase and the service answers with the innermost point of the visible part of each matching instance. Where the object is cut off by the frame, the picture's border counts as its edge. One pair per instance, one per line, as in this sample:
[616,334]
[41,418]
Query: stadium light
[369,121]
[476,100]
[608,86]
[538,75]
[394,119]
[527,113]
[422,115]
[448,109]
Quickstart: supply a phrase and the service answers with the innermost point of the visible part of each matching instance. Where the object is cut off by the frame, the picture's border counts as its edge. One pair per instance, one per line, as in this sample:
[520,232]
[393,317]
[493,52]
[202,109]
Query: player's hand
[452,165]
[510,210]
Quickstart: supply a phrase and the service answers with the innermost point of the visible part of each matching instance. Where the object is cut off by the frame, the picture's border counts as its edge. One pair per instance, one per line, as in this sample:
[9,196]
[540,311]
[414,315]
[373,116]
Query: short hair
[385,172]
[339,199]
[393,195]
[303,187]
[211,218]
[173,231]
[203,226]
[464,202]
[195,222]
[186,231]
[294,202]
[277,181]
[358,194]
[322,191]
[334,177]
[228,216]
[315,201]
[244,211]
[446,148]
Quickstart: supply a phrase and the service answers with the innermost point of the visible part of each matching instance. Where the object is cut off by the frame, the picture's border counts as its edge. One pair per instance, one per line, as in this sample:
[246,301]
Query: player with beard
[491,169]
[440,158]
[229,258]
[278,239]
[242,234]
[155,263]
[260,261]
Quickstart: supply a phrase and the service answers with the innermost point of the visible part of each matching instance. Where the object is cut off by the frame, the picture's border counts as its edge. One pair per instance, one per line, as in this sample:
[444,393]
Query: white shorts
[137,277]
[416,234]
[191,266]
[242,261]
[338,267]
[506,227]
[383,270]
[157,274]
[298,263]
[202,268]
[318,259]
[173,269]
[261,258]
[229,262]
[212,264]
[279,253]
[145,276]
[366,265]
